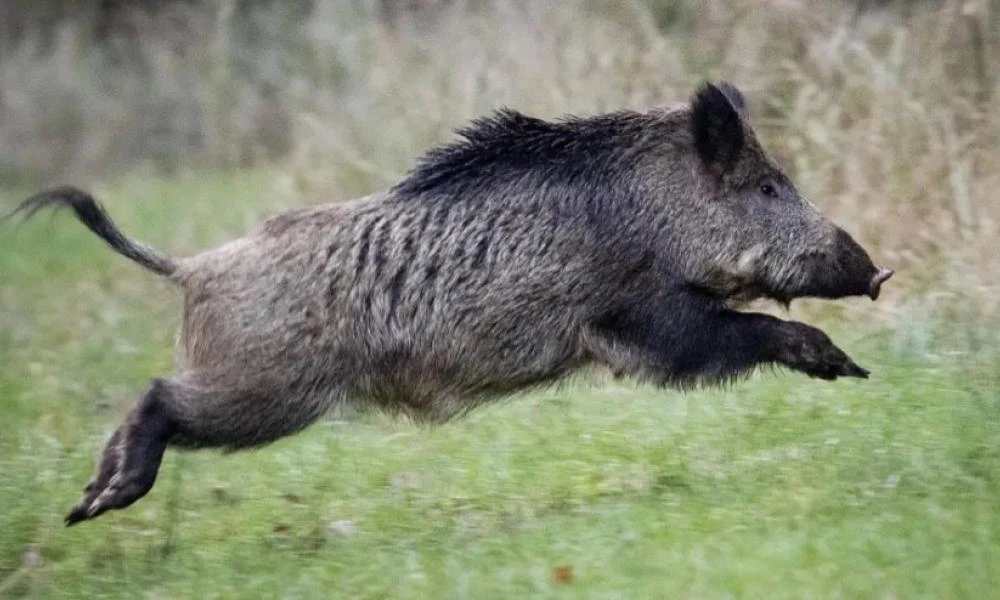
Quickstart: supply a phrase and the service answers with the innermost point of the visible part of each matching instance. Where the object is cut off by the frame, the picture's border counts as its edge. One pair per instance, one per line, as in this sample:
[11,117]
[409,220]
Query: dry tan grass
[886,117]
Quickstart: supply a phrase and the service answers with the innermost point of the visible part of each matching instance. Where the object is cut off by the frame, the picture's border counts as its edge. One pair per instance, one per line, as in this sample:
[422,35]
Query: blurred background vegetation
[193,119]
[885,111]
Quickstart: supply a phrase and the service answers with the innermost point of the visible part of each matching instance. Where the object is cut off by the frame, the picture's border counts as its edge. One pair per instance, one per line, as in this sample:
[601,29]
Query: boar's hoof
[834,369]
[851,369]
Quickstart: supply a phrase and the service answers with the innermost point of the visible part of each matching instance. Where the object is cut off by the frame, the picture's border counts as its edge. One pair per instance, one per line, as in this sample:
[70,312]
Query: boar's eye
[768,190]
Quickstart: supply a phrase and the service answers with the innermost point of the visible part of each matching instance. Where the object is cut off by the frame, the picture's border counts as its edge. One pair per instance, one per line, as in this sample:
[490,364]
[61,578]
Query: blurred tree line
[90,86]
[115,21]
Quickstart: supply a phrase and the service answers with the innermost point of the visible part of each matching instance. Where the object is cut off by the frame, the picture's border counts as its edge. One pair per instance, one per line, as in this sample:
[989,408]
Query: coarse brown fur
[510,258]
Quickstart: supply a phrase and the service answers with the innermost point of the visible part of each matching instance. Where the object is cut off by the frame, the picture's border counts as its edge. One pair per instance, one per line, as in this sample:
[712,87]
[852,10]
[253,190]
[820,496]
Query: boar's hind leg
[131,457]
[189,415]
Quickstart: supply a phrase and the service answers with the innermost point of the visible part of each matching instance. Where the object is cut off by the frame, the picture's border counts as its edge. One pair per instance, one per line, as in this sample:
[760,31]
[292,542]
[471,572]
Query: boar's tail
[92,214]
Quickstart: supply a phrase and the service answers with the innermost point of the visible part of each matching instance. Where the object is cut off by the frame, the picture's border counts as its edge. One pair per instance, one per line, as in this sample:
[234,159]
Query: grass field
[778,487]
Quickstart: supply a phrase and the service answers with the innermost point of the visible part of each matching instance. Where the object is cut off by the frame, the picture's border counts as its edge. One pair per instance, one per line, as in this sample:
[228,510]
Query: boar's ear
[735,97]
[716,124]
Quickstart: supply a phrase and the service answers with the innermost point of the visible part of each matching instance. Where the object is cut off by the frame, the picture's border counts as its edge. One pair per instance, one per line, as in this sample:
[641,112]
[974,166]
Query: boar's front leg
[685,340]
[809,350]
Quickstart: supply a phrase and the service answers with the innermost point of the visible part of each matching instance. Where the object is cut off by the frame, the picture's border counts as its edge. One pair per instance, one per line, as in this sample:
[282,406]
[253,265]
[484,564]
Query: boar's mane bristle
[508,148]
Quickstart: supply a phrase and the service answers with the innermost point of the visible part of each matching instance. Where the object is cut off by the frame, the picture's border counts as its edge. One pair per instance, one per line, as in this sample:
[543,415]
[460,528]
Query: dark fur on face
[512,257]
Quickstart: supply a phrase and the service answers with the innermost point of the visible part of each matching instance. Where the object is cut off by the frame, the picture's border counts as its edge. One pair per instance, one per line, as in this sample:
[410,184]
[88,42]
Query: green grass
[778,487]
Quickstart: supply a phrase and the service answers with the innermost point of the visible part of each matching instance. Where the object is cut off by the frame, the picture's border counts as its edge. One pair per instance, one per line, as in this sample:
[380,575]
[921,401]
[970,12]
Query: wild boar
[511,257]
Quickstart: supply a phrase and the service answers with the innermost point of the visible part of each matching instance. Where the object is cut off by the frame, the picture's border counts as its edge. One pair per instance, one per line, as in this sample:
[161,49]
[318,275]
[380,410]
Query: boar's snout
[844,269]
[858,275]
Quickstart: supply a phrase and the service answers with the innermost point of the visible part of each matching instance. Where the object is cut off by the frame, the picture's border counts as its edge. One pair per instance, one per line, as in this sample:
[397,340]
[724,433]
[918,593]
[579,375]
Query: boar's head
[743,230]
